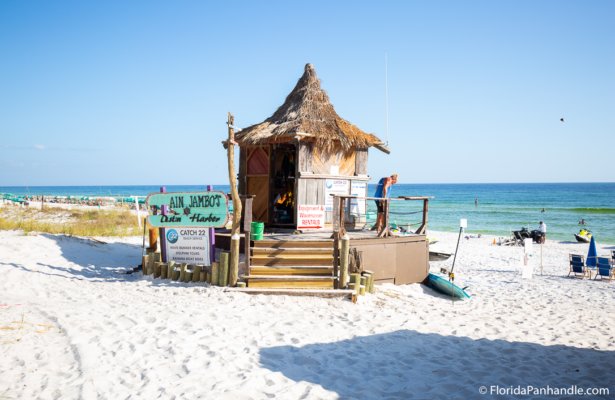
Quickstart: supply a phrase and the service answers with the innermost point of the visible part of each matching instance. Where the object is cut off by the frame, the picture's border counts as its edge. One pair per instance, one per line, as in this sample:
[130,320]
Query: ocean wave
[590,210]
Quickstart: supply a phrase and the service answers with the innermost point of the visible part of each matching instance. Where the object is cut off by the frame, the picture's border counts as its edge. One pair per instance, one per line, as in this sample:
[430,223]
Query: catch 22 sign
[190,246]
[188,210]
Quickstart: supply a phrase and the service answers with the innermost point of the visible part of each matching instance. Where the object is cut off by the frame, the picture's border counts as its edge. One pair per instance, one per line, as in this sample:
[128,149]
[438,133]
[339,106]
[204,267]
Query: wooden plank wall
[321,164]
[304,157]
[361,162]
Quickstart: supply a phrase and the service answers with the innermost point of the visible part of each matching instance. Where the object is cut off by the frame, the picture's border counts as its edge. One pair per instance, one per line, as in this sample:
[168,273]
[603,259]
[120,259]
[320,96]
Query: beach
[75,325]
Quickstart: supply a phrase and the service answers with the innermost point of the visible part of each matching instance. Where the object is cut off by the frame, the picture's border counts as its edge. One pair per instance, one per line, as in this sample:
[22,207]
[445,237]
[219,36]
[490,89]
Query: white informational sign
[337,187]
[310,216]
[357,206]
[527,269]
[188,245]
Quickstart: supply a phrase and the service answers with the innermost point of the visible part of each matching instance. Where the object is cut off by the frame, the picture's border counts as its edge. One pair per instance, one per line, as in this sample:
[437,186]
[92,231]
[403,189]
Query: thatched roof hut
[302,154]
[307,114]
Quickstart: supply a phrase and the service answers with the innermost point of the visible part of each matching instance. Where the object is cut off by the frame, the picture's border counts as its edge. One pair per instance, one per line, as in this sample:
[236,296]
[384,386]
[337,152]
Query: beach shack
[305,152]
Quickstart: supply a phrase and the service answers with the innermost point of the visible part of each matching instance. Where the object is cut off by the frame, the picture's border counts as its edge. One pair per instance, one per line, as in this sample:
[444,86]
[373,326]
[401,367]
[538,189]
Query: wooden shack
[301,155]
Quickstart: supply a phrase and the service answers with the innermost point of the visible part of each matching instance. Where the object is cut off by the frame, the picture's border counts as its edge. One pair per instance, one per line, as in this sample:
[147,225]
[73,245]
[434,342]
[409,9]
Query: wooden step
[290,282]
[291,250]
[291,270]
[277,244]
[296,292]
[323,260]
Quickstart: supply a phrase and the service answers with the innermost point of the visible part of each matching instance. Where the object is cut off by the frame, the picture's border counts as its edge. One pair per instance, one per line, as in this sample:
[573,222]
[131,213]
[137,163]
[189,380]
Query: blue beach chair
[578,267]
[604,268]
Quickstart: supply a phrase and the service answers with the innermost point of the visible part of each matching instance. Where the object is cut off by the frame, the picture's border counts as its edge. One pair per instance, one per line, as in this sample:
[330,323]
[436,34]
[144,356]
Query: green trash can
[257,230]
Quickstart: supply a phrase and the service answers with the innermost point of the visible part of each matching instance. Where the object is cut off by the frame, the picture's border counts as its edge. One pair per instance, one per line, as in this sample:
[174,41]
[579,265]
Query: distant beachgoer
[476,202]
[542,227]
[383,191]
[543,210]
[582,221]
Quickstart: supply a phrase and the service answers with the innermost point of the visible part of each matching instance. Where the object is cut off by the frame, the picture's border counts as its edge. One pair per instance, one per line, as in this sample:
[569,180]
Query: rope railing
[343,204]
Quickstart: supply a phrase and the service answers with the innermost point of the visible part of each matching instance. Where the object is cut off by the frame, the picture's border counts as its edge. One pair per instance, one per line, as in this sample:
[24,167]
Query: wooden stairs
[291,264]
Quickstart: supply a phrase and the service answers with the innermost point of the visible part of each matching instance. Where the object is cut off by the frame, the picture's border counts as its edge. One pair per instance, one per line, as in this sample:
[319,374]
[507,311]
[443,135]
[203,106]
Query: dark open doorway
[282,184]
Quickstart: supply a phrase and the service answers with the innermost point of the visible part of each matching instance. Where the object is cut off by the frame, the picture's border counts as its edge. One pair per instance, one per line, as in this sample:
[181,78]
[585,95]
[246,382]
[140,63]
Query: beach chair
[578,267]
[604,268]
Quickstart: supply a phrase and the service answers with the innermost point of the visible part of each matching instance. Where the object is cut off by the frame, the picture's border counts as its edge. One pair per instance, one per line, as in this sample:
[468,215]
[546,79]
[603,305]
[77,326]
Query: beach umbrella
[592,254]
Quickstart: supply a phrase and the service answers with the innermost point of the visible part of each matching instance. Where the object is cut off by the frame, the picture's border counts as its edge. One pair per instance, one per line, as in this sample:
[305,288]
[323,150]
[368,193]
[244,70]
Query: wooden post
[188,273]
[170,268]
[153,238]
[369,285]
[196,273]
[344,259]
[162,232]
[421,230]
[385,230]
[342,216]
[214,277]
[157,269]
[223,272]
[247,229]
[182,271]
[144,262]
[164,269]
[357,282]
[233,264]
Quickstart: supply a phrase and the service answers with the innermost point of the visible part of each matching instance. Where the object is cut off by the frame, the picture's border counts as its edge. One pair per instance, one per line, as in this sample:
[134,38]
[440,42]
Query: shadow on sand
[407,364]
[90,260]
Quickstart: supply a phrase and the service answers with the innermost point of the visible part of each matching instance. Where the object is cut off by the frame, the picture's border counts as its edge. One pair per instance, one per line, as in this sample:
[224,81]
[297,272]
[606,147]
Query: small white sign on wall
[335,187]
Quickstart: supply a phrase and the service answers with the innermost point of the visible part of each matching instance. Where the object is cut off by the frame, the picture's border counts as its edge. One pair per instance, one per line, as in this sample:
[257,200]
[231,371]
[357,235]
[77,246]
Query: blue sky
[109,93]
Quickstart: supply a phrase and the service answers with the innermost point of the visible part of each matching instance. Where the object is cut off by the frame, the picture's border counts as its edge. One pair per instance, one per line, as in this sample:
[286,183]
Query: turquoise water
[501,207]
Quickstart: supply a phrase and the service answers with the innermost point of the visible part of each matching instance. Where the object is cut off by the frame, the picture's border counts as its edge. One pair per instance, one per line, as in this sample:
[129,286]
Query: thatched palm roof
[307,114]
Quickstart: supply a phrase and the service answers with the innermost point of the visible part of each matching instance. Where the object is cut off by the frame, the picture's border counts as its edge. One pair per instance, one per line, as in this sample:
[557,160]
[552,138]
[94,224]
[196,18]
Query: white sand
[72,327]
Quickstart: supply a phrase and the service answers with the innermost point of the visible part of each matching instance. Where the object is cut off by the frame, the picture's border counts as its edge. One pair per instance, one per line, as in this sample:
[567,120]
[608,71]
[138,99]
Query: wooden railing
[340,205]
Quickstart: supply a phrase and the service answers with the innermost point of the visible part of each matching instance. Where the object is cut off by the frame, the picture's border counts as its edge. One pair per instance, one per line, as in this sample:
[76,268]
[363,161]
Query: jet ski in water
[584,236]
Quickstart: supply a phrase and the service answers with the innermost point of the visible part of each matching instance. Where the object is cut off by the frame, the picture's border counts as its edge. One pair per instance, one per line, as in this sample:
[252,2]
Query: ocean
[495,208]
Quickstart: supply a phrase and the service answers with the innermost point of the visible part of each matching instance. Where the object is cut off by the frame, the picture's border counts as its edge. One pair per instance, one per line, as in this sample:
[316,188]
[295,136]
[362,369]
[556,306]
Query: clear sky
[128,92]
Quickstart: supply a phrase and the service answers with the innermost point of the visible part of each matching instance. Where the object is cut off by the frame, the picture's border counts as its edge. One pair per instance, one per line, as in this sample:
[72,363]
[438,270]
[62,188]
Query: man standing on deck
[383,191]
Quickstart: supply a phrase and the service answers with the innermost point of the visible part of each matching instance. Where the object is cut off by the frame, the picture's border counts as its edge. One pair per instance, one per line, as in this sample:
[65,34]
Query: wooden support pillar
[224,266]
[157,269]
[385,229]
[214,277]
[344,261]
[423,228]
[188,273]
[170,268]
[196,273]
[144,262]
[356,280]
[233,264]
[247,229]
[182,272]
[153,238]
